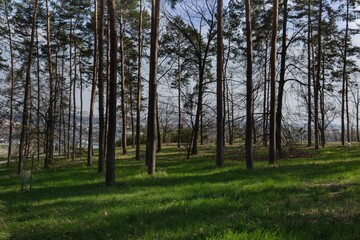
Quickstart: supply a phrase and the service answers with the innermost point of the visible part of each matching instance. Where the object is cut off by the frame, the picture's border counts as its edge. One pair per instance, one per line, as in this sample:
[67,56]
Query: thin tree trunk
[108,48]
[345,75]
[38,95]
[101,84]
[281,80]
[309,129]
[12,92]
[50,113]
[179,100]
[265,101]
[89,161]
[25,118]
[81,109]
[110,152]
[249,90]
[322,105]
[70,93]
[219,88]
[272,150]
[138,97]
[123,111]
[318,73]
[73,155]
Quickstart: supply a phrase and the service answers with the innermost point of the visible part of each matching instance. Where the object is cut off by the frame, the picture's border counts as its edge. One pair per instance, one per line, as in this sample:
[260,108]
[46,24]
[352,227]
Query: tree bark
[281,80]
[110,157]
[138,97]
[50,118]
[12,90]
[73,152]
[123,110]
[317,80]
[345,104]
[70,92]
[219,88]
[151,128]
[101,84]
[272,147]
[25,118]
[93,93]
[249,90]
[309,129]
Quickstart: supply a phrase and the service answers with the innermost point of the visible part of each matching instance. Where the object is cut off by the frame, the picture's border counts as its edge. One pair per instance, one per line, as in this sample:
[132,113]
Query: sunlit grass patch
[300,198]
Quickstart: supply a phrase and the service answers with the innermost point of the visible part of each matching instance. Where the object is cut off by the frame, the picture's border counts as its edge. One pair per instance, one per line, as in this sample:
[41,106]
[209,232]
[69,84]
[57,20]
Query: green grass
[308,198]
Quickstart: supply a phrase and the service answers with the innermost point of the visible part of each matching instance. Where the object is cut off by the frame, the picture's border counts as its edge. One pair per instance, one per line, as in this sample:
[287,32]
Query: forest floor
[307,195]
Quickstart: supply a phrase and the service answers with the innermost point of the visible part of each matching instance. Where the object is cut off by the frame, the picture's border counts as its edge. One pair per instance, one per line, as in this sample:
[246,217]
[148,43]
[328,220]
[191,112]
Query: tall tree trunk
[345,90]
[265,100]
[12,92]
[73,152]
[123,111]
[322,105]
[50,113]
[309,129]
[60,106]
[317,80]
[81,108]
[70,93]
[272,147]
[219,88]
[101,84]
[25,118]
[179,99]
[138,94]
[89,161]
[107,79]
[38,95]
[249,89]
[282,79]
[110,152]
[151,128]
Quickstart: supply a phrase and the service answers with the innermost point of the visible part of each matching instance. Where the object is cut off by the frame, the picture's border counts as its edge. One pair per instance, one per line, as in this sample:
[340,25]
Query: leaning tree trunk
[281,80]
[92,98]
[25,118]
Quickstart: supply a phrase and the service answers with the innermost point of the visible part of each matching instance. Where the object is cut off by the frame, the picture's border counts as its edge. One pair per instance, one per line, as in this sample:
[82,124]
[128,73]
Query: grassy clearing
[308,198]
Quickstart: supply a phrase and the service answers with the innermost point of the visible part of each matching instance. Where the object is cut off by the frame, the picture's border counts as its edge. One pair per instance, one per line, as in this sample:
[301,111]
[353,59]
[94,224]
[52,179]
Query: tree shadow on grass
[293,212]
